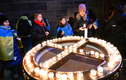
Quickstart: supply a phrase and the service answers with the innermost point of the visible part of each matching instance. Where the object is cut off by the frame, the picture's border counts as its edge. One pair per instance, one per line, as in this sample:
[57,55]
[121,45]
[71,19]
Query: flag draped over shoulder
[6,44]
[95,24]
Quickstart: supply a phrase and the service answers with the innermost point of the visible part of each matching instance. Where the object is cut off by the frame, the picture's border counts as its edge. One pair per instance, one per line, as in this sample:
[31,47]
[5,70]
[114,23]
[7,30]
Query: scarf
[4,27]
[38,22]
[41,24]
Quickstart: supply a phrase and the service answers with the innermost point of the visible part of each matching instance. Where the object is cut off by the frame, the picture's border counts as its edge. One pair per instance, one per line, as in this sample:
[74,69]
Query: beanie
[82,7]
[2,19]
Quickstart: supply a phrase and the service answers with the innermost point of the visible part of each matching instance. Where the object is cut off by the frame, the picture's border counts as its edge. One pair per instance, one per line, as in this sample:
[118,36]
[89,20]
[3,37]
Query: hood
[24,17]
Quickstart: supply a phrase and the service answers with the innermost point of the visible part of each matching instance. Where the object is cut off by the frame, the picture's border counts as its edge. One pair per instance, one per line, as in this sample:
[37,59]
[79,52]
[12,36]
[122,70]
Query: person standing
[114,30]
[9,54]
[64,28]
[81,19]
[39,32]
[23,28]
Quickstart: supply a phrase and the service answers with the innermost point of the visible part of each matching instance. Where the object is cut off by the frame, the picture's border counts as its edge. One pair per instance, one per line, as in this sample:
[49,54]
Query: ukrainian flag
[95,24]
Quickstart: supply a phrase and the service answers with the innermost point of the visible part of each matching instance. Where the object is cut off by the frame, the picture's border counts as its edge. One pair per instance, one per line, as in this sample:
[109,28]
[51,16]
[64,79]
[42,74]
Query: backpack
[24,28]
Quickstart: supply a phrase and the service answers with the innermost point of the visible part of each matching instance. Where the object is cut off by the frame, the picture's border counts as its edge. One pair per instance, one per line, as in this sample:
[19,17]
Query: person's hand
[62,33]
[19,39]
[82,28]
[47,33]
[90,26]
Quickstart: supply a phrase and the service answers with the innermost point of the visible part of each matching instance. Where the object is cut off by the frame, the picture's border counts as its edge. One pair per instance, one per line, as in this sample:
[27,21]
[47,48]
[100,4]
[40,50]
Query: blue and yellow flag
[95,24]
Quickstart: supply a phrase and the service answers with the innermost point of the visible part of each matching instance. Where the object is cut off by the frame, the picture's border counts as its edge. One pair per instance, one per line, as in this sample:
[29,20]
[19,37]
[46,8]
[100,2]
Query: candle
[46,64]
[102,56]
[58,75]
[41,64]
[79,75]
[51,75]
[70,48]
[70,75]
[59,56]
[43,74]
[66,47]
[100,69]
[81,51]
[63,77]
[86,33]
[30,65]
[93,72]
[75,50]
[92,52]
[36,70]
[111,64]
[96,55]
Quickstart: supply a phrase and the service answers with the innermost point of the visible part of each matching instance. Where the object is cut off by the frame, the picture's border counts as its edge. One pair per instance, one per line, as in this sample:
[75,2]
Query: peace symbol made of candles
[42,71]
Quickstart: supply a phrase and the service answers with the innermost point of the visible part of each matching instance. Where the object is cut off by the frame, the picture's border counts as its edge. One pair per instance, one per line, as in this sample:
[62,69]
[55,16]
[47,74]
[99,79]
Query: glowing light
[93,72]
[58,75]
[63,77]
[100,69]
[51,75]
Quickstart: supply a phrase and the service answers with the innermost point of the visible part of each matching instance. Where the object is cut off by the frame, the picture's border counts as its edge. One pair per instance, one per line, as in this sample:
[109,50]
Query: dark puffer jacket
[38,34]
[114,31]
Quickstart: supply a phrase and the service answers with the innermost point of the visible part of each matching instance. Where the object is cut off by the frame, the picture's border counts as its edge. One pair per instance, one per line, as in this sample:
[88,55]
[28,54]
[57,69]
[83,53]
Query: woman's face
[6,23]
[82,13]
[39,17]
[63,21]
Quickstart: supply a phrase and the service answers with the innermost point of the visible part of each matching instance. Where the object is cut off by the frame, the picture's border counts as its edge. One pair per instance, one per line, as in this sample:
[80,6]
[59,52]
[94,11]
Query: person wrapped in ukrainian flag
[9,54]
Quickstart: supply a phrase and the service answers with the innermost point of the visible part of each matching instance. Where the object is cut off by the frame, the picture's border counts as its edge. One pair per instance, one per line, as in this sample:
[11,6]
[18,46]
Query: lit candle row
[53,60]
[46,74]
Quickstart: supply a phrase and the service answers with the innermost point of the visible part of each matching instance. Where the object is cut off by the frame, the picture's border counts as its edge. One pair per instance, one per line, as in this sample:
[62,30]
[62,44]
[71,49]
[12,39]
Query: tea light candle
[63,77]
[111,64]
[96,55]
[36,70]
[93,72]
[102,56]
[81,51]
[59,56]
[54,58]
[66,47]
[30,65]
[46,64]
[70,48]
[79,75]
[100,69]
[43,74]
[75,50]
[51,75]
[70,75]
[92,52]
[58,75]
[41,64]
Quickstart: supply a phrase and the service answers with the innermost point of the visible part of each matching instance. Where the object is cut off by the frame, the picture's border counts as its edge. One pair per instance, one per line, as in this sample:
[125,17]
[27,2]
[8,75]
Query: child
[64,28]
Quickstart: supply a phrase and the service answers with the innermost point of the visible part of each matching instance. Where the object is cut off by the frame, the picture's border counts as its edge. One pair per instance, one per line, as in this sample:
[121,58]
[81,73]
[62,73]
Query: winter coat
[9,53]
[67,30]
[114,31]
[78,22]
[115,28]
[38,34]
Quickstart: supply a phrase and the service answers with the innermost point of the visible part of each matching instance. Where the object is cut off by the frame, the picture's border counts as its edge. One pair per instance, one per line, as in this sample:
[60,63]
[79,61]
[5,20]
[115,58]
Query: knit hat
[82,7]
[2,19]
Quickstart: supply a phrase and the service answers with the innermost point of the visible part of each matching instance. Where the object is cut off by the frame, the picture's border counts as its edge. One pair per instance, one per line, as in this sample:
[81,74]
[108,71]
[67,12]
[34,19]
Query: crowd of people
[30,32]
